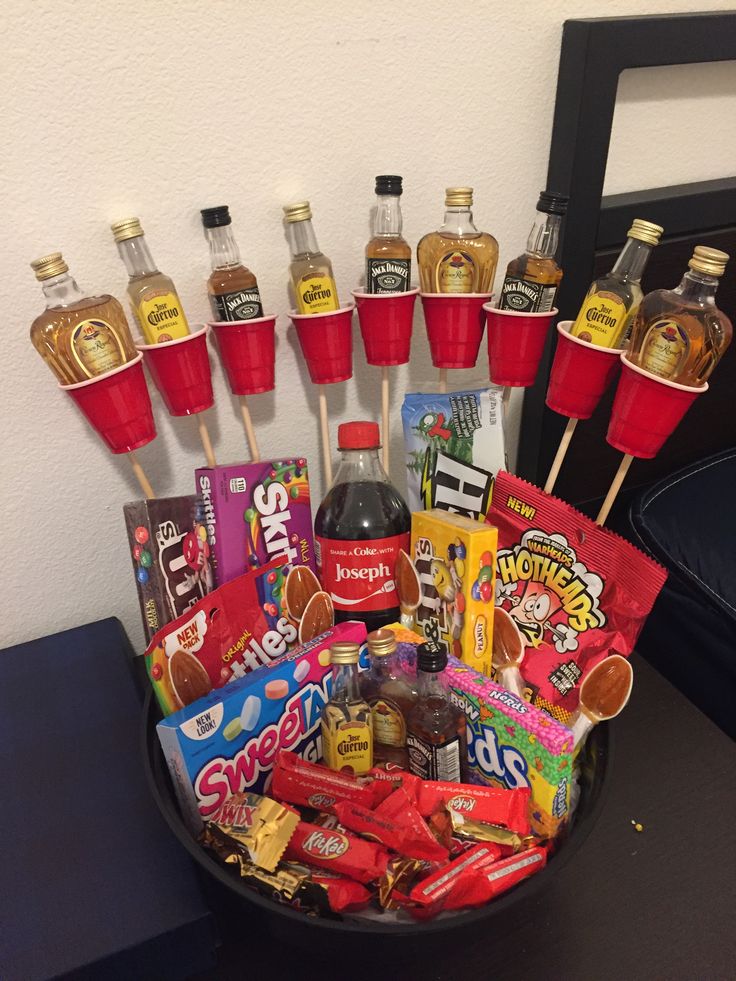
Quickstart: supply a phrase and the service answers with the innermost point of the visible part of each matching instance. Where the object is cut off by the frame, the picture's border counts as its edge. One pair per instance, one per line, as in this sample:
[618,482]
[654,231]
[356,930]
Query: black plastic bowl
[294,926]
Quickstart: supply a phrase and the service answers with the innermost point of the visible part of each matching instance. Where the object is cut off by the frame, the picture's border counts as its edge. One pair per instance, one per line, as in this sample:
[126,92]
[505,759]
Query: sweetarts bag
[577,592]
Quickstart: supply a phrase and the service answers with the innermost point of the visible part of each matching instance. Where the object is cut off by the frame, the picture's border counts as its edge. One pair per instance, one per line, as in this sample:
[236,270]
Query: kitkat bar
[398,827]
[491,805]
[338,852]
[438,886]
[341,893]
[489,881]
[309,785]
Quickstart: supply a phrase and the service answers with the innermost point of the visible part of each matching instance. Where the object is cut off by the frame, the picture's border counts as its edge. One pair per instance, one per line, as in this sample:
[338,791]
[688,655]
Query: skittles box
[455,559]
[255,512]
[228,740]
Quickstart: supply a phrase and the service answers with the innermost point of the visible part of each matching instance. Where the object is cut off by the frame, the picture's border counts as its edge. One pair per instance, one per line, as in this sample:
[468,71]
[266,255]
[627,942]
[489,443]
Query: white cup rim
[565,326]
[520,313]
[361,292]
[105,374]
[328,313]
[197,329]
[215,324]
[457,296]
[662,381]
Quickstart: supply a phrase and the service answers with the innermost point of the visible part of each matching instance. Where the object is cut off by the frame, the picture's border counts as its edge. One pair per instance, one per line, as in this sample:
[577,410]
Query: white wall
[160,108]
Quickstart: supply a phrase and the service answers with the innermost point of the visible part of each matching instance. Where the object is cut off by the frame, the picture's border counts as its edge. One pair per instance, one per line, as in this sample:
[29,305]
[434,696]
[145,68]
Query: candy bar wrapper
[310,785]
[454,447]
[491,805]
[477,885]
[229,740]
[577,592]
[437,887]
[328,892]
[338,852]
[509,841]
[399,827]
[235,629]
[256,512]
[258,825]
[284,882]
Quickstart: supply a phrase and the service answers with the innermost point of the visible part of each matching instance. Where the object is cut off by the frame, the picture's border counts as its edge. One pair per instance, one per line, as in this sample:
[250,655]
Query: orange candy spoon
[603,694]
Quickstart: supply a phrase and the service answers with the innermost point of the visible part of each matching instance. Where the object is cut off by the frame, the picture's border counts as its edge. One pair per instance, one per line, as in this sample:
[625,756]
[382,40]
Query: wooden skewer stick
[324,429]
[554,471]
[505,399]
[141,475]
[250,433]
[385,416]
[206,443]
[443,380]
[613,490]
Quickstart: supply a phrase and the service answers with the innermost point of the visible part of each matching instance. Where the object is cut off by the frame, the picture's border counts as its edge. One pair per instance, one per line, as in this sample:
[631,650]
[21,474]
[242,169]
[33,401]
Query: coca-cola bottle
[360,527]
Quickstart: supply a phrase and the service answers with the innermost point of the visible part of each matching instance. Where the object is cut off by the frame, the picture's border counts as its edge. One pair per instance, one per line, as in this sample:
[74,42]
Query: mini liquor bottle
[680,334]
[153,297]
[312,281]
[78,336]
[388,254]
[347,728]
[612,301]
[532,279]
[436,733]
[390,697]
[232,287]
[457,258]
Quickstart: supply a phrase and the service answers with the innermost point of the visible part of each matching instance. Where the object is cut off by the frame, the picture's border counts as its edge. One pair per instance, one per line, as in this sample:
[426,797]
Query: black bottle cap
[388,184]
[215,217]
[432,656]
[552,203]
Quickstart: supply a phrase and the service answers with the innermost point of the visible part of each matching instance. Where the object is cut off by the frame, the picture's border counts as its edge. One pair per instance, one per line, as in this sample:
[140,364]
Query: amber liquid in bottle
[390,698]
[347,726]
[388,254]
[232,287]
[680,334]
[457,258]
[437,739]
[531,281]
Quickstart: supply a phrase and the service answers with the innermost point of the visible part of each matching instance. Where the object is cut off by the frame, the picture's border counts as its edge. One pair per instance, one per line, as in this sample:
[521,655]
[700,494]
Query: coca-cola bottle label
[359,576]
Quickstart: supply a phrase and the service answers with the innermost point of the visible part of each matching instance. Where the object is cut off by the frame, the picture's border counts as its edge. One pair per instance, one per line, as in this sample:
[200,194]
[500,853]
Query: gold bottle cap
[645,231]
[127,228]
[381,643]
[458,197]
[49,266]
[344,652]
[299,211]
[712,262]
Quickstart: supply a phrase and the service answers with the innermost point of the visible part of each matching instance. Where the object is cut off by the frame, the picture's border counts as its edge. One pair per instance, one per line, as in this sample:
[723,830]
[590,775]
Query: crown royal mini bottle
[457,258]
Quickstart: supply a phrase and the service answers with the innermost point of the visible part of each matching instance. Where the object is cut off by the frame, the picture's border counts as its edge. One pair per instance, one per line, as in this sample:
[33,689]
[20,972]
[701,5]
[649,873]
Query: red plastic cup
[326,341]
[248,353]
[455,324]
[581,372]
[117,406]
[646,410]
[386,321]
[515,345]
[181,371]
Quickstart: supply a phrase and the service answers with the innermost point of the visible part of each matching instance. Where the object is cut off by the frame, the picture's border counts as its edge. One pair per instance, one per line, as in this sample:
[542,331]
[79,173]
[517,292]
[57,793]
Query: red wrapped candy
[310,785]
[491,805]
[490,881]
[338,852]
[440,884]
[342,893]
[398,826]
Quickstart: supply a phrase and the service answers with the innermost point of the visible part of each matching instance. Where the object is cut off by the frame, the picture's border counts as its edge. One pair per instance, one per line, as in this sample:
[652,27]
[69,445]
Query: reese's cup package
[575,591]
[454,447]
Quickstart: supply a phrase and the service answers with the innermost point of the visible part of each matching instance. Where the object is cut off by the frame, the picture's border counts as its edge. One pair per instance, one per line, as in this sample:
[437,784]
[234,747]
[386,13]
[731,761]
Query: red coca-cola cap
[358,436]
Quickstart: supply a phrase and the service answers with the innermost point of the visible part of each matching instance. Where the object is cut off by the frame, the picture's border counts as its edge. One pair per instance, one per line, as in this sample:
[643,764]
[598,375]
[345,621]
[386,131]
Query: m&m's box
[171,557]
[255,512]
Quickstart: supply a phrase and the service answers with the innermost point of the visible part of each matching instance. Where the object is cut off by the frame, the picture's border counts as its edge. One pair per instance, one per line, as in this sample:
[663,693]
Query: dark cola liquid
[358,511]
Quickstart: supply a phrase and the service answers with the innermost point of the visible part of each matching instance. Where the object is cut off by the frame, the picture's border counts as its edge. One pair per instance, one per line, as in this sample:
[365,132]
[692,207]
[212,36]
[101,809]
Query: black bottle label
[434,761]
[523,297]
[387,275]
[239,305]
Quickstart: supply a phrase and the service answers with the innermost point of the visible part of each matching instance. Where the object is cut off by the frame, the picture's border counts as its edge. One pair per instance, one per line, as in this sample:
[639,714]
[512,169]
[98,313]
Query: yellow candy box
[455,559]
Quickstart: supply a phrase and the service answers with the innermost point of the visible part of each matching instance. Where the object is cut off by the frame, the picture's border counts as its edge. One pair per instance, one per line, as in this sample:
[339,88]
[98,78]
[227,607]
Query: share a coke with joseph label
[360,575]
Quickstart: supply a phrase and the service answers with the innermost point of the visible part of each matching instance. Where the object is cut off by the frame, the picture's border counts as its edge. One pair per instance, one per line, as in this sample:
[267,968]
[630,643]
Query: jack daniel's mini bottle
[388,254]
[436,732]
[232,287]
[533,278]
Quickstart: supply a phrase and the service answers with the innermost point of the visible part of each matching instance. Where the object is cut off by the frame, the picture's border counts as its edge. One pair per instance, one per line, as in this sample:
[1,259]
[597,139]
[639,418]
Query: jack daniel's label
[523,297]
[238,305]
[387,275]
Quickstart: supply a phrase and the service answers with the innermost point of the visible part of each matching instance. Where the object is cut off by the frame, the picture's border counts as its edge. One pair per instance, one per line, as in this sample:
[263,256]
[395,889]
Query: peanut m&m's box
[228,740]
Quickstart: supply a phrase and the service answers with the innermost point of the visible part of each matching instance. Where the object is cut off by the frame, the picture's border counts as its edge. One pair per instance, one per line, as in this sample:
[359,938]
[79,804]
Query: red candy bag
[337,852]
[576,592]
[491,805]
[310,785]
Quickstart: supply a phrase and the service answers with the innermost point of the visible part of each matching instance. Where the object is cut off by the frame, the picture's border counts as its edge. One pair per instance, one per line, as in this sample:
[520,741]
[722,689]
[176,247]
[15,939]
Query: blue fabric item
[91,881]
[688,523]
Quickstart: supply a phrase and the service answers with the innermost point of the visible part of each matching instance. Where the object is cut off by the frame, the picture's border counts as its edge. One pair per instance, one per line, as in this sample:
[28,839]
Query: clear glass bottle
[153,297]
[611,302]
[436,731]
[360,528]
[680,334]
[347,727]
[457,258]
[78,336]
[533,278]
[232,287]
[388,254]
[390,697]
[312,280]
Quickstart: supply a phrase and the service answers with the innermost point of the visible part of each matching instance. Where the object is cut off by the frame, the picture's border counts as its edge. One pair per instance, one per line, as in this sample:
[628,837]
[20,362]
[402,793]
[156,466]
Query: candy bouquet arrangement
[382,710]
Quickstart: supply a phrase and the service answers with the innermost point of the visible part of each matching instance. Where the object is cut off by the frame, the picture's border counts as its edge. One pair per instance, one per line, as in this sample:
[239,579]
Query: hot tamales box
[455,559]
